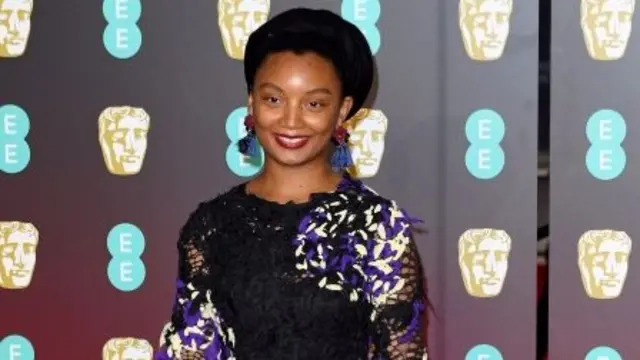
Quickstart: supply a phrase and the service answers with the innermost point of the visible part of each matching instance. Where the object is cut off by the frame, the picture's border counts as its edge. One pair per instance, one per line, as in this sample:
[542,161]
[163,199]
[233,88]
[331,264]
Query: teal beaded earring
[341,158]
[248,145]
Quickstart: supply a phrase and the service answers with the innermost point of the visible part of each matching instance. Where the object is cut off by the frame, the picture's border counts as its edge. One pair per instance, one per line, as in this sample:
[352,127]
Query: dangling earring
[341,158]
[248,145]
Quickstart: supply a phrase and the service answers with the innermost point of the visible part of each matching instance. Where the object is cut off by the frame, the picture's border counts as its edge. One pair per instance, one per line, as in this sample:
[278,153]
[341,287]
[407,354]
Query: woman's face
[297,104]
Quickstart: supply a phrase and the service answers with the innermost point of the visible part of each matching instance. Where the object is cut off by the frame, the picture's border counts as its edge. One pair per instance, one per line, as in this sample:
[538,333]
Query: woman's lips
[291,142]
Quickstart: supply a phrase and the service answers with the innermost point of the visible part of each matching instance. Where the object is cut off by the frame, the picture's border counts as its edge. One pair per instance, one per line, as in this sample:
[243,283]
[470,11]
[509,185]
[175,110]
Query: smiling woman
[303,261]
[297,103]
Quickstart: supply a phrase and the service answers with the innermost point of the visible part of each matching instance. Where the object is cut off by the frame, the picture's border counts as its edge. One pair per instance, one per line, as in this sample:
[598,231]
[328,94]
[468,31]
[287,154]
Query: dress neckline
[314,198]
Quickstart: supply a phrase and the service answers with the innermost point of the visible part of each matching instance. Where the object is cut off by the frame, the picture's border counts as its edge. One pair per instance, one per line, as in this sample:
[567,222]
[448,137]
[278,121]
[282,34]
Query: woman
[302,262]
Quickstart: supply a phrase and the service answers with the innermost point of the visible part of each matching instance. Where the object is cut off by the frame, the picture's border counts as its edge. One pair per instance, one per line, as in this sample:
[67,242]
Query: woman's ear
[345,108]
[250,104]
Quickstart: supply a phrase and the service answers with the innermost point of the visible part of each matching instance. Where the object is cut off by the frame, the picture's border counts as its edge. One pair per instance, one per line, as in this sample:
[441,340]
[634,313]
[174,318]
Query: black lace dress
[335,278]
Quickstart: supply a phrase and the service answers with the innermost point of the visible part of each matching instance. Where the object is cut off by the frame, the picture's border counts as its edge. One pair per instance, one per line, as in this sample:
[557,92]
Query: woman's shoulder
[359,210]
[359,196]
[368,208]
[207,212]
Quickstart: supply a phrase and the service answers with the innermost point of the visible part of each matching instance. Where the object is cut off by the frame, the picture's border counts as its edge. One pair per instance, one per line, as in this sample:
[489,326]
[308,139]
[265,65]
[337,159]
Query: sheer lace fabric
[338,277]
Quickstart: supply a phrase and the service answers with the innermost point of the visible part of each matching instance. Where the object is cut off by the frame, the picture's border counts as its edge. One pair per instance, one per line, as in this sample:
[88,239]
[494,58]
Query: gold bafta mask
[18,246]
[483,256]
[603,260]
[237,19]
[484,26]
[127,349]
[123,138]
[367,130]
[15,27]
[606,27]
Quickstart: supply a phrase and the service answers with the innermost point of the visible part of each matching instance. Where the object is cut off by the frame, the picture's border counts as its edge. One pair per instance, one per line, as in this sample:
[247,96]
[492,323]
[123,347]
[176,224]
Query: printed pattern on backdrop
[122,133]
[603,260]
[484,261]
[365,15]
[367,132]
[15,27]
[484,27]
[15,152]
[484,130]
[592,68]
[606,131]
[127,348]
[490,235]
[18,250]
[483,254]
[606,27]
[122,36]
[123,142]
[126,244]
[237,19]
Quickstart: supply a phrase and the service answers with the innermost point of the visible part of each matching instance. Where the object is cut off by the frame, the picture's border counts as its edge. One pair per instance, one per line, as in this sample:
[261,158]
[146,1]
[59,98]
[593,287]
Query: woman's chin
[291,158]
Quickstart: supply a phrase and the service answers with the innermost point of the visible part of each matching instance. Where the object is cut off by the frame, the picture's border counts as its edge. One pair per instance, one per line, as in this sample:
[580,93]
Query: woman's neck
[282,184]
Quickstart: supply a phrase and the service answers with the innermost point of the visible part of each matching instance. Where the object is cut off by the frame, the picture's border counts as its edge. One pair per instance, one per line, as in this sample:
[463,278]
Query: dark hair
[302,30]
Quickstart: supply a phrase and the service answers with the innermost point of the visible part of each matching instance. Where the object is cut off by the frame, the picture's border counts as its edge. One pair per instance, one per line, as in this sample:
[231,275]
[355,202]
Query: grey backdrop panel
[579,202]
[509,86]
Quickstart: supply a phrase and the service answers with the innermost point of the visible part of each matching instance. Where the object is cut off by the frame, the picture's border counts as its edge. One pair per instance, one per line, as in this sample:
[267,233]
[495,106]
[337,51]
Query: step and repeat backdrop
[595,171]
[118,116]
[489,193]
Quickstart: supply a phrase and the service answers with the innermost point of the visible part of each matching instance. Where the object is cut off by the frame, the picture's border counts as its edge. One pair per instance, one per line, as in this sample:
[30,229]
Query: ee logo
[605,158]
[126,243]
[484,158]
[238,163]
[483,352]
[16,347]
[15,152]
[603,353]
[122,37]
[364,14]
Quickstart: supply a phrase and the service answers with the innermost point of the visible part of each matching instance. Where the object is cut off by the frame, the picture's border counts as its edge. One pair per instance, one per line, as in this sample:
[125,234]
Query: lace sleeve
[396,285]
[195,331]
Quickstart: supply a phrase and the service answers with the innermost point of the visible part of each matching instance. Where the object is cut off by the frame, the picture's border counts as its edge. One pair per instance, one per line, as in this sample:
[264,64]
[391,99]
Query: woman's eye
[271,99]
[316,104]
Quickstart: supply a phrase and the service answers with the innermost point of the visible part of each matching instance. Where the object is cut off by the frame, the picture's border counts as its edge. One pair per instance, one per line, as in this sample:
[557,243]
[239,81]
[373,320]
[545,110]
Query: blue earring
[248,145]
[341,158]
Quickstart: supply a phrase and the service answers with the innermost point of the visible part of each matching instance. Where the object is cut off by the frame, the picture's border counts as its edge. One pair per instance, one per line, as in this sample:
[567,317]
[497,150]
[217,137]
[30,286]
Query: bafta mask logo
[483,256]
[18,245]
[123,138]
[237,19]
[15,27]
[603,260]
[606,26]
[367,130]
[484,25]
[127,349]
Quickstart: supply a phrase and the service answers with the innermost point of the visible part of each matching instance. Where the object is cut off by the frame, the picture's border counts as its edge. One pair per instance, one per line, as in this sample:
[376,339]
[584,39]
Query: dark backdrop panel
[492,312]
[591,306]
[183,78]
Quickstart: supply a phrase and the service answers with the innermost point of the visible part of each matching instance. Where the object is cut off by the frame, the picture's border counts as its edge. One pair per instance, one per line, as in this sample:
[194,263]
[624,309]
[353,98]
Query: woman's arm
[396,286]
[195,331]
